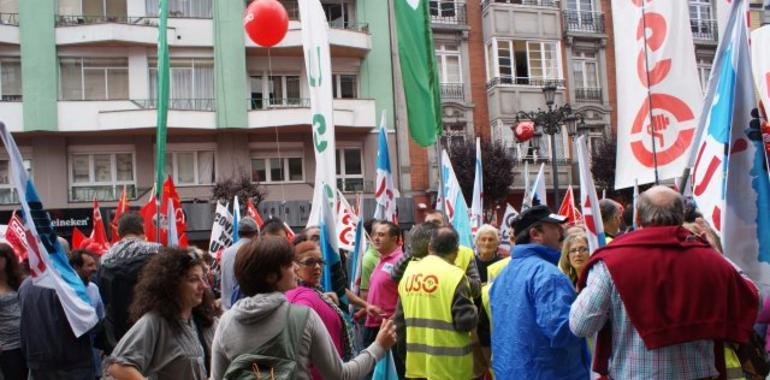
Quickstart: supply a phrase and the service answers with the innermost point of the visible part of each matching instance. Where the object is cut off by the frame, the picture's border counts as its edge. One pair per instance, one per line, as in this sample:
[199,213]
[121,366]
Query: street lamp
[550,122]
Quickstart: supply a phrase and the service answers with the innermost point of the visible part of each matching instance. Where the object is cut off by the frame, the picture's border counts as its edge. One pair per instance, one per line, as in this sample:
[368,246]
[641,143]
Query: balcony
[205,105]
[354,40]
[9,19]
[704,30]
[589,95]
[9,28]
[507,80]
[292,9]
[452,92]
[105,115]
[11,115]
[74,20]
[530,3]
[256,104]
[355,113]
[83,29]
[583,22]
[447,14]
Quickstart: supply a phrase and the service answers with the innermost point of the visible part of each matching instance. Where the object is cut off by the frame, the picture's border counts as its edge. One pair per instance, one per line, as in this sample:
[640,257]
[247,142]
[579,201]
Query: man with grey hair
[661,299]
[612,216]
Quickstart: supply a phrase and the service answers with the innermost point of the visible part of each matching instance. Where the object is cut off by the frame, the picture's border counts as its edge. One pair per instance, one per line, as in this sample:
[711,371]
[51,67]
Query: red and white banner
[588,199]
[346,224]
[657,75]
[16,236]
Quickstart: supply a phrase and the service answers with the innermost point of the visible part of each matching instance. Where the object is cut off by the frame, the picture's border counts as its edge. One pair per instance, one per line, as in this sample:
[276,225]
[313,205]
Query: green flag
[418,70]
[161,98]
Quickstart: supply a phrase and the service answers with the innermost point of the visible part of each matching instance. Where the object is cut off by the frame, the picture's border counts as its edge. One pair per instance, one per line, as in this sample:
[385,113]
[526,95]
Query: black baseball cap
[533,215]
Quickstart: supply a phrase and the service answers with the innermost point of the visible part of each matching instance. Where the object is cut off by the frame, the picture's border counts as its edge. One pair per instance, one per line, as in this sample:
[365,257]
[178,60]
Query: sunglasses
[312,262]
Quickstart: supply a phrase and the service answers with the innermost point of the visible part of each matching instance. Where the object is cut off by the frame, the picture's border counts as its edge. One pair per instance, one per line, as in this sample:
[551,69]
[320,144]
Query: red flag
[289,232]
[149,211]
[170,194]
[99,243]
[119,211]
[253,213]
[569,209]
[77,238]
[17,237]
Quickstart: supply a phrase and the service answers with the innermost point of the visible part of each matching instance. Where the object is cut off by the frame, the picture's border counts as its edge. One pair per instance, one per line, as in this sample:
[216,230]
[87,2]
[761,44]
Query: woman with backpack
[264,336]
[176,321]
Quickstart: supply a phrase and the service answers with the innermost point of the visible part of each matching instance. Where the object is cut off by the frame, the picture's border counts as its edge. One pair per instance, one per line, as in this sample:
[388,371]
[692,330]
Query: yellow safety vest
[435,350]
[495,269]
[464,257]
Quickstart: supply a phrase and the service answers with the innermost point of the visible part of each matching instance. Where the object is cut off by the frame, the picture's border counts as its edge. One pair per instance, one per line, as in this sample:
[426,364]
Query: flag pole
[649,97]
[162,107]
[441,179]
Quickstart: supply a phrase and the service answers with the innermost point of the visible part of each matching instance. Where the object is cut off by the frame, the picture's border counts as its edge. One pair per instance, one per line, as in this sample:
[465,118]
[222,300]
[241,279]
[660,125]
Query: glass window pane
[71,80]
[453,69]
[4,179]
[102,168]
[80,168]
[276,90]
[94,84]
[186,167]
[69,7]
[10,79]
[334,85]
[125,166]
[117,83]
[337,162]
[348,86]
[204,80]
[353,161]
[205,167]
[354,184]
[276,170]
[258,170]
[295,169]
[168,165]
[292,89]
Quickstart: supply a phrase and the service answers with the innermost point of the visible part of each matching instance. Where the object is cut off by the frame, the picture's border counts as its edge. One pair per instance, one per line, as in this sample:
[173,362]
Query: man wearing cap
[247,229]
[530,303]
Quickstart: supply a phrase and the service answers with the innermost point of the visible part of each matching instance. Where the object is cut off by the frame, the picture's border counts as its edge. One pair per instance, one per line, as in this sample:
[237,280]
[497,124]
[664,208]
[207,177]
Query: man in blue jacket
[530,302]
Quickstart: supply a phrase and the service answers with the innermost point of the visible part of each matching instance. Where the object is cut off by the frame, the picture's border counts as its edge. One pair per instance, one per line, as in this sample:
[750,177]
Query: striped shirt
[630,359]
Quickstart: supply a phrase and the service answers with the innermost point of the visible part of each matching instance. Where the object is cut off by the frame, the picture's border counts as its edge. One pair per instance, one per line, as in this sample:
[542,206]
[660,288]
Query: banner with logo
[221,231]
[318,68]
[346,224]
[658,77]
[505,226]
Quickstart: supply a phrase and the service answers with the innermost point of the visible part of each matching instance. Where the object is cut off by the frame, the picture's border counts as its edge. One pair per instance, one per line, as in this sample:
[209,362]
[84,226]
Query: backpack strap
[296,319]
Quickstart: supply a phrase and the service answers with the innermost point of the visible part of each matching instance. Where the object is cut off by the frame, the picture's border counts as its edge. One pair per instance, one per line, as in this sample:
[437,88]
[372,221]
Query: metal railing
[590,22]
[9,19]
[704,29]
[533,3]
[11,98]
[292,9]
[588,94]
[202,104]
[256,104]
[452,91]
[448,13]
[507,80]
[71,20]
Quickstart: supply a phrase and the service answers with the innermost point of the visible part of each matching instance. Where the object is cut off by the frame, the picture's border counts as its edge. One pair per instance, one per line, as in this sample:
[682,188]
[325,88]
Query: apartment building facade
[78,92]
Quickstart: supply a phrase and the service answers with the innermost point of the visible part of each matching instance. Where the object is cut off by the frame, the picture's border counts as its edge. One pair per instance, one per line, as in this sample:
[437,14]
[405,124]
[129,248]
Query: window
[10,79]
[585,71]
[701,19]
[108,8]
[345,86]
[704,71]
[277,169]
[9,6]
[275,91]
[191,167]
[443,8]
[350,170]
[101,175]
[8,193]
[93,78]
[526,62]
[191,83]
[336,14]
[544,3]
[182,8]
[580,12]
[448,60]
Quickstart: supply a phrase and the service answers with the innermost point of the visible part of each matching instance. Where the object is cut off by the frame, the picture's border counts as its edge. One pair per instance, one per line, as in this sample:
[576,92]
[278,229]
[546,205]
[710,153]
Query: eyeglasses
[578,250]
[312,262]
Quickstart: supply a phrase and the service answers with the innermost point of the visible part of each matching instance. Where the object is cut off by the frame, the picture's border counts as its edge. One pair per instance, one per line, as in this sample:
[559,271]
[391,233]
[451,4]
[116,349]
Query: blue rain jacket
[530,302]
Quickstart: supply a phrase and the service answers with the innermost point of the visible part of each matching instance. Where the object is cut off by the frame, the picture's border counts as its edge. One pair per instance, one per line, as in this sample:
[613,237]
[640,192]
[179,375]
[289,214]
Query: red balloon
[524,131]
[266,22]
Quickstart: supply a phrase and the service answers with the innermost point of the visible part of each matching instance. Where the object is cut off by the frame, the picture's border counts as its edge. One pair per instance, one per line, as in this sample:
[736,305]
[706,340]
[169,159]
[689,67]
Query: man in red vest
[661,299]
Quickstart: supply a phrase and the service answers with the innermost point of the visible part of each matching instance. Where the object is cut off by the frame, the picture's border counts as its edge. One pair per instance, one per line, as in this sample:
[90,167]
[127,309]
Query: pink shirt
[308,297]
[383,291]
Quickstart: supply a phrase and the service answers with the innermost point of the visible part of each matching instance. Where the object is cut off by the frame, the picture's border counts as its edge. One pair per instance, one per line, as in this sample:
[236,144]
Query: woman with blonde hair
[574,255]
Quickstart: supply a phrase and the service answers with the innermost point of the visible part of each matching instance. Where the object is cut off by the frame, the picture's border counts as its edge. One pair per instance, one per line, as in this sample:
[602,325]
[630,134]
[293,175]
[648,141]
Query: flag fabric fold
[236,218]
[505,229]
[221,231]
[454,202]
[537,194]
[477,201]
[178,222]
[121,209]
[569,208]
[347,220]
[99,243]
[588,198]
[328,246]
[149,214]
[251,210]
[16,236]
[385,193]
[49,265]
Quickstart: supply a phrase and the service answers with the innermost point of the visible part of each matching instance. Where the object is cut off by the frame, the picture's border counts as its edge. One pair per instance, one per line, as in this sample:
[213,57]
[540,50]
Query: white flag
[588,199]
[537,194]
[346,224]
[505,226]
[669,74]
[477,202]
[527,200]
[315,42]
[221,231]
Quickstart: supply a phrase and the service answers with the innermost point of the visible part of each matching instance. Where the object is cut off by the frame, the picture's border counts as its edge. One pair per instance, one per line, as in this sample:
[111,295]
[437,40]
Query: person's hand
[374,310]
[333,297]
[359,314]
[387,335]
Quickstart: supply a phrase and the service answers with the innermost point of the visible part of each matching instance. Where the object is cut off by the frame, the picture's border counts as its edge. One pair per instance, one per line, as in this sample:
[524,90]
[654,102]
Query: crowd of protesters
[657,302]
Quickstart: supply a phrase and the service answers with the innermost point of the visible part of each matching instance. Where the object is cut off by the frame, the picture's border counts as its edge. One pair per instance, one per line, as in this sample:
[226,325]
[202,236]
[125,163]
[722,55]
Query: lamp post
[550,122]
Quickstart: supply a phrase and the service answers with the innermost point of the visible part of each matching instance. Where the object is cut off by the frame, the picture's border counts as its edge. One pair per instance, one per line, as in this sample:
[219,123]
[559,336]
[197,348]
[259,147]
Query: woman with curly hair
[12,362]
[175,321]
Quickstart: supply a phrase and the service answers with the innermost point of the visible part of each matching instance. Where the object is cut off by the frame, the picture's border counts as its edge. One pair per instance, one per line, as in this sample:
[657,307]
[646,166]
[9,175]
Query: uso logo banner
[657,75]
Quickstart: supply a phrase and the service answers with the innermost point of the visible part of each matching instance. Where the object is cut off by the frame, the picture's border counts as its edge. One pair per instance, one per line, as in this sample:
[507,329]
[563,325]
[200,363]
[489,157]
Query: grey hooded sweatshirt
[253,321]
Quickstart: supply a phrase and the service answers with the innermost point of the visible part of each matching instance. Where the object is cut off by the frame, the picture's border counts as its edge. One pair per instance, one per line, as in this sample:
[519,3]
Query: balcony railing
[10,98]
[533,3]
[586,94]
[448,13]
[205,105]
[278,103]
[452,91]
[9,19]
[507,80]
[70,20]
[292,9]
[586,22]
[704,29]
